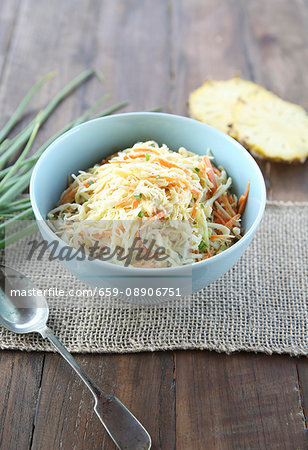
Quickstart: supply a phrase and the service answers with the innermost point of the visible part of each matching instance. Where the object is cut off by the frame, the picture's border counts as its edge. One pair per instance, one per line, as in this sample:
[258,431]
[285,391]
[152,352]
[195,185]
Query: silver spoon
[25,314]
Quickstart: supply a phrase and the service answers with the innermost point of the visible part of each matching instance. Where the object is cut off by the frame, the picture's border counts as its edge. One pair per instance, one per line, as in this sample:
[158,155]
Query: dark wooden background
[153,52]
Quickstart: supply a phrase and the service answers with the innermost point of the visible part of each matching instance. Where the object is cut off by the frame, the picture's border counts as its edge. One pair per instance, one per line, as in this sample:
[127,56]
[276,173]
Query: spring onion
[15,178]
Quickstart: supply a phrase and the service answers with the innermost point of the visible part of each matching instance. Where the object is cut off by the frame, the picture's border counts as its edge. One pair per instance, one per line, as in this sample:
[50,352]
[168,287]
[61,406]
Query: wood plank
[20,375]
[276,34]
[96,34]
[289,182]
[220,39]
[205,43]
[208,40]
[302,372]
[106,35]
[45,36]
[211,39]
[131,49]
[238,402]
[143,382]
[8,19]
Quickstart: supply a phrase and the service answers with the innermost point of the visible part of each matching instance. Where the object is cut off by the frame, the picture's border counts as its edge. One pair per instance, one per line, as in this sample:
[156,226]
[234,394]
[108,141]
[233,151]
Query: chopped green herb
[202,246]
[137,195]
[157,176]
[202,205]
[197,169]
[147,157]
[141,214]
[90,182]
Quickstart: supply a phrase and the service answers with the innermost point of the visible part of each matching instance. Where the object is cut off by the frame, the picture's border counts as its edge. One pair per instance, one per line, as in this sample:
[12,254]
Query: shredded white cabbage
[179,199]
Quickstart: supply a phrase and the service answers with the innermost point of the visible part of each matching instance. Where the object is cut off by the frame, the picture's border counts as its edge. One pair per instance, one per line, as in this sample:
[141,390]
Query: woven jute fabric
[260,305]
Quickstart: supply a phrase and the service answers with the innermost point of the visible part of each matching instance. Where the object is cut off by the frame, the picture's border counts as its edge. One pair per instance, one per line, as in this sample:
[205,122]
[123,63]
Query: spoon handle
[124,429]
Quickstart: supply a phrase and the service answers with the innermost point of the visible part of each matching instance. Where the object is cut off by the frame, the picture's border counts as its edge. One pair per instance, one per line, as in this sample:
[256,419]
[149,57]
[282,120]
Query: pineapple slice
[271,128]
[214,102]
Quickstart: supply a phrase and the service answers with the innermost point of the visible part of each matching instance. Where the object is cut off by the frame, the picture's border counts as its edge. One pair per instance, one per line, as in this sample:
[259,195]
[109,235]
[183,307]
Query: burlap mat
[259,305]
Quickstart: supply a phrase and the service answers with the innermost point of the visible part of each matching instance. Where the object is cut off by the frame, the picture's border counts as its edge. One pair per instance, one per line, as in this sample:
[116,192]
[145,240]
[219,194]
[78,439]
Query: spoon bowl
[22,311]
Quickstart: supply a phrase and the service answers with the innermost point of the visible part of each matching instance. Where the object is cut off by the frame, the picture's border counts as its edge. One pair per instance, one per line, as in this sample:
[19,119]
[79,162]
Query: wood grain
[96,34]
[44,43]
[238,402]
[8,20]
[205,43]
[211,39]
[302,372]
[131,49]
[263,41]
[154,54]
[20,375]
[276,36]
[144,383]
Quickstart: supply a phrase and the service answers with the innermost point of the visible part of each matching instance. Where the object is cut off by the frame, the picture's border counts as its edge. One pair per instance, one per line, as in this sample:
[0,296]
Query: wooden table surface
[153,53]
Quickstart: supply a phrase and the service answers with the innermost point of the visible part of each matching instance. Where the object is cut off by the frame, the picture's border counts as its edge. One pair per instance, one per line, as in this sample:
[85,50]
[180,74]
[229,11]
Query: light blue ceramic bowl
[91,142]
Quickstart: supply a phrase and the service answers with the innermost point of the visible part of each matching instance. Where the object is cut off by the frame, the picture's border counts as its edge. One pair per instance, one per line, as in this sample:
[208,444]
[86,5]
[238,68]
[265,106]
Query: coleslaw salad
[180,199]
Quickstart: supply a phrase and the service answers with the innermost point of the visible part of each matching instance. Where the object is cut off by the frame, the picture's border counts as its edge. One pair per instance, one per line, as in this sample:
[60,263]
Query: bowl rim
[155,271]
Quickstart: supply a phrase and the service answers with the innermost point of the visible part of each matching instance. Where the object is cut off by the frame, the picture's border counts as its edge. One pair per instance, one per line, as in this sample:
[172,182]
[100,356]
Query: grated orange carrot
[243,199]
[102,234]
[157,216]
[219,217]
[232,221]
[195,190]
[214,237]
[68,195]
[126,158]
[225,201]
[194,210]
[208,170]
[171,165]
[124,201]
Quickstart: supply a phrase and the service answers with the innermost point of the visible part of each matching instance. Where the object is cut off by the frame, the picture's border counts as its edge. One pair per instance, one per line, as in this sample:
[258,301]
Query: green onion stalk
[15,178]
